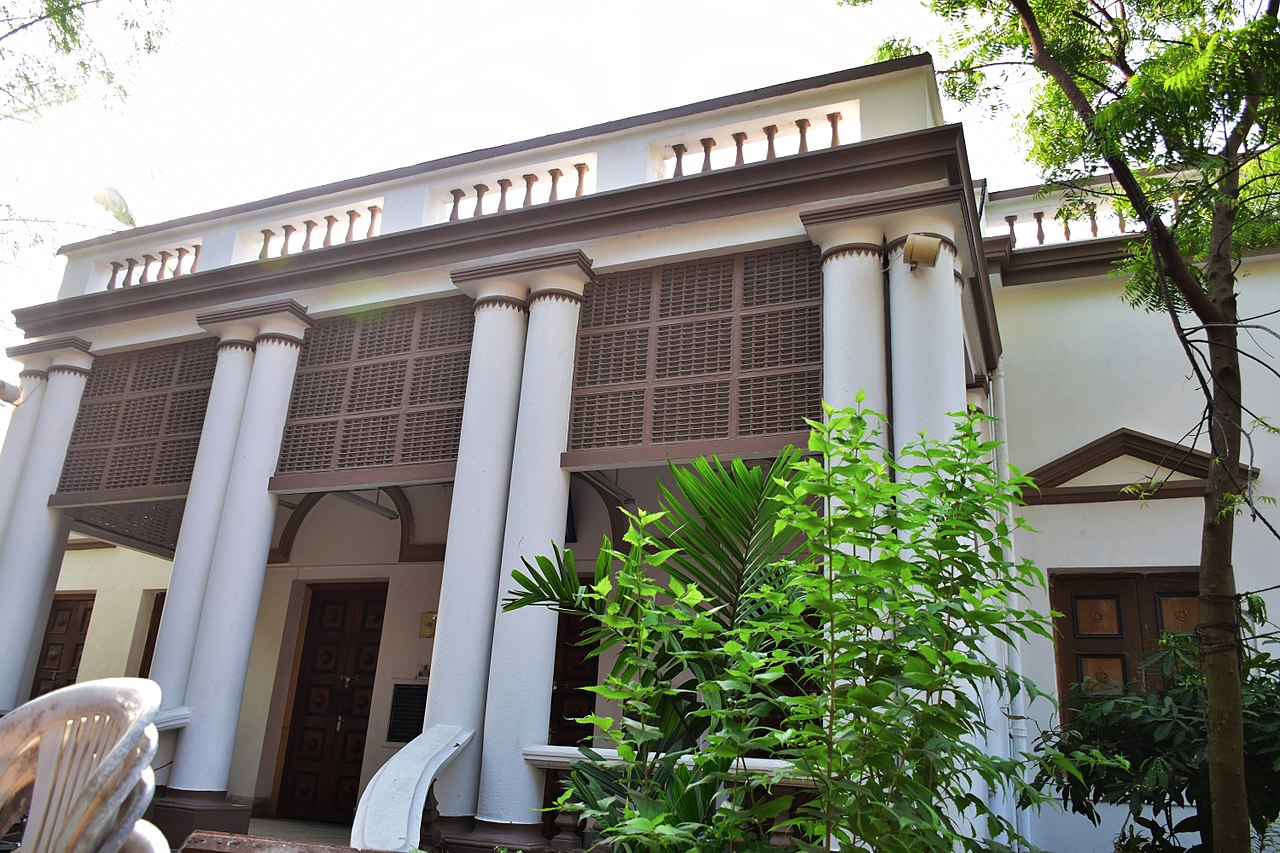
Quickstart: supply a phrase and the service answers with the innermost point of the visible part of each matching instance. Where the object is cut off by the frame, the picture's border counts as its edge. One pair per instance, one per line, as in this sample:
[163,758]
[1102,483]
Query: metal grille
[153,522]
[140,420]
[380,389]
[711,350]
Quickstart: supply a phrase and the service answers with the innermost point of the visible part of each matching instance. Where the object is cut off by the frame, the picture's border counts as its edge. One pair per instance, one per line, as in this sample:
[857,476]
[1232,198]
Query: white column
[854,356]
[36,534]
[477,518]
[523,658]
[234,591]
[193,554]
[17,440]
[927,329]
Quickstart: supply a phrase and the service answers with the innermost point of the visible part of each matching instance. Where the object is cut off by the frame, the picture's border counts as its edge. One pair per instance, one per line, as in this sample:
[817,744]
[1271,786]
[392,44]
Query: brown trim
[137,494]
[102,533]
[1168,455]
[849,249]
[556,293]
[878,165]
[51,345]
[1085,259]
[74,370]
[370,181]
[660,454]
[281,551]
[255,312]
[410,551]
[87,545]
[506,269]
[901,203]
[363,478]
[235,343]
[278,338]
[500,301]
[899,242]
[34,374]
[618,524]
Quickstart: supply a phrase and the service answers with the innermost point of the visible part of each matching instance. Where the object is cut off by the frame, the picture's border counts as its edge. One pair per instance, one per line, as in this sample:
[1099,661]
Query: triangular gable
[1164,456]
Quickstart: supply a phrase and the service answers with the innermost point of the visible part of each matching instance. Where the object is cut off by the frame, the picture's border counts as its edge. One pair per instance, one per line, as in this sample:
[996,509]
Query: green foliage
[839,612]
[1159,733]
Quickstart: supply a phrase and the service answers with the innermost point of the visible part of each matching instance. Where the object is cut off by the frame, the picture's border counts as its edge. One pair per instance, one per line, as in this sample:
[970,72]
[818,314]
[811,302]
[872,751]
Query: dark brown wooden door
[330,719]
[574,670]
[63,645]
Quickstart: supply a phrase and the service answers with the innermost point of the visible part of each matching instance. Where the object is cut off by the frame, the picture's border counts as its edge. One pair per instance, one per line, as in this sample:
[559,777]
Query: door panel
[63,645]
[330,718]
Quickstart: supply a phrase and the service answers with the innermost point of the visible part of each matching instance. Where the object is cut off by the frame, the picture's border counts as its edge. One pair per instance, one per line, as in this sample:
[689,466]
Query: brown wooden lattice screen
[722,349]
[140,419]
[379,389]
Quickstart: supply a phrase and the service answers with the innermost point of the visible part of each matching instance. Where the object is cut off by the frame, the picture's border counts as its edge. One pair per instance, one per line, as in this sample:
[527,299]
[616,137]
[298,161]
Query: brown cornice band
[254,312]
[235,343]
[507,269]
[556,293]
[33,374]
[877,165]
[278,338]
[902,203]
[370,182]
[51,345]
[850,249]
[500,301]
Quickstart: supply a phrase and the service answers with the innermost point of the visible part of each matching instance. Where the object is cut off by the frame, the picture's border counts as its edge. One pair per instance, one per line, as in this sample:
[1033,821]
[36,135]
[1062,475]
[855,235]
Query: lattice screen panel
[140,418]
[153,522]
[380,389]
[709,350]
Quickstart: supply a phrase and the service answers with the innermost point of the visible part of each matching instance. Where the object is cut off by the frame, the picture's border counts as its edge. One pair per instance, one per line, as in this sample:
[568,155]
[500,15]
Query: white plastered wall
[124,583]
[337,543]
[1079,364]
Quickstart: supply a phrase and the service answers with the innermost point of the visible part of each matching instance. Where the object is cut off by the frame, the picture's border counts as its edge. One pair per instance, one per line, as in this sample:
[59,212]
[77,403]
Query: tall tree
[1174,104]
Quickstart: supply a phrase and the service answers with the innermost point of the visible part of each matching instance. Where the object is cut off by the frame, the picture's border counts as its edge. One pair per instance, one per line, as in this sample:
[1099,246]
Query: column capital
[569,270]
[42,356]
[248,322]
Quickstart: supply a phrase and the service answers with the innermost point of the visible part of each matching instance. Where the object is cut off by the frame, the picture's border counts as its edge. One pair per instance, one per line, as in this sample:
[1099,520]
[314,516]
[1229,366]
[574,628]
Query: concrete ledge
[178,814]
[224,842]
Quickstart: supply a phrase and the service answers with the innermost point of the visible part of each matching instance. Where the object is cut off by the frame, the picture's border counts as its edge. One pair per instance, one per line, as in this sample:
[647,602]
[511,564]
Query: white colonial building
[347,413]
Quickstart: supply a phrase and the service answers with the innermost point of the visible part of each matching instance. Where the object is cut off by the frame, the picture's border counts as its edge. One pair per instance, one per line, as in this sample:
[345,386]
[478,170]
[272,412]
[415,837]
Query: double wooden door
[330,717]
[63,645]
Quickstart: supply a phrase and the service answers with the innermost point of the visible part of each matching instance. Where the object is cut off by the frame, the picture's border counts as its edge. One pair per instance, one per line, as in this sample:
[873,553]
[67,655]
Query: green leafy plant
[836,612]
[1159,733]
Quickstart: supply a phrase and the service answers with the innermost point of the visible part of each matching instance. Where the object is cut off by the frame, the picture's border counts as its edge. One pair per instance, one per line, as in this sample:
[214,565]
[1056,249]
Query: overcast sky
[251,98]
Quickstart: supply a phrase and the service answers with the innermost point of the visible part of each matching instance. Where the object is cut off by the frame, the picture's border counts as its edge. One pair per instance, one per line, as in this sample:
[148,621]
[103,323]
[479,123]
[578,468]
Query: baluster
[1013,238]
[352,216]
[128,273]
[432,838]
[769,133]
[1120,219]
[1066,228]
[374,212]
[834,118]
[582,169]
[183,251]
[555,184]
[288,232]
[147,261]
[458,196]
[504,185]
[529,181]
[165,255]
[329,222]
[1039,215]
[116,266]
[1093,219]
[739,139]
[310,225]
[566,837]
[195,257]
[707,145]
[803,124]
[480,189]
[267,234]
[680,149]
[1177,203]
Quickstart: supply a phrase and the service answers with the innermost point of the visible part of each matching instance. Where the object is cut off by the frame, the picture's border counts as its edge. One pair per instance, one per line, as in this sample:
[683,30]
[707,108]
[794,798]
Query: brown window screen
[709,350]
[1111,623]
[379,389]
[140,418]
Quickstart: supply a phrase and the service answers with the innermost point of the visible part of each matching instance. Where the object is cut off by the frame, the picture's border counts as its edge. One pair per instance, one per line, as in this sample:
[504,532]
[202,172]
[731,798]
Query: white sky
[251,98]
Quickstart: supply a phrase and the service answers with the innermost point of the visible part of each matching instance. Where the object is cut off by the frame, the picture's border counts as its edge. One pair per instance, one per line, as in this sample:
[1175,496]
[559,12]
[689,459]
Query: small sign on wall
[427,626]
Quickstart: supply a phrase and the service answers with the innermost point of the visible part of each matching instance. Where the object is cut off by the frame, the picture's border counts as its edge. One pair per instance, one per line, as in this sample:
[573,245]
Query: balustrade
[765,145]
[1032,225]
[300,233]
[480,200]
[154,265]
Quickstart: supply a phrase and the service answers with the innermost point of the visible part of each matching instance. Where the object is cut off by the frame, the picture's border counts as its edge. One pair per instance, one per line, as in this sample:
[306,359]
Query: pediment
[1103,469]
